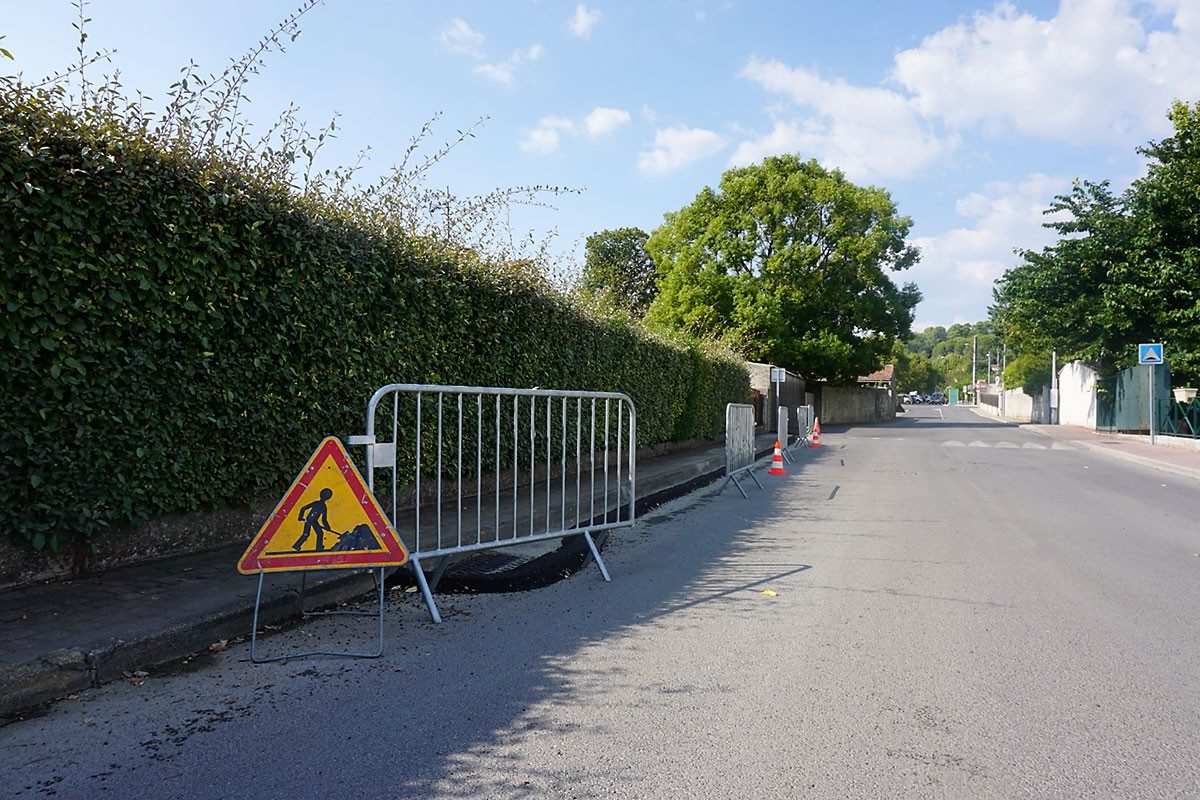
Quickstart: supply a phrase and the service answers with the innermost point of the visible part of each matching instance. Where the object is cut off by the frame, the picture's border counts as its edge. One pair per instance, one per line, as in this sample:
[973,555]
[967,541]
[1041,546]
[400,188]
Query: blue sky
[973,115]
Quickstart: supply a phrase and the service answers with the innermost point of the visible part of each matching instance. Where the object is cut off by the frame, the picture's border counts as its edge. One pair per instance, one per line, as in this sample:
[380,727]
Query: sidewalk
[1129,448]
[65,636]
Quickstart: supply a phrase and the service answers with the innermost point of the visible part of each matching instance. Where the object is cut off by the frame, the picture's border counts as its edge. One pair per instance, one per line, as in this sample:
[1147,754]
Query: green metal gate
[1123,400]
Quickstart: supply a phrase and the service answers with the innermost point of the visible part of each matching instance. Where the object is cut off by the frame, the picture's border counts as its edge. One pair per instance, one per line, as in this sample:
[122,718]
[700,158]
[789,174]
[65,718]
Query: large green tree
[618,267]
[1161,283]
[789,263]
[947,354]
[1126,269]
[1062,297]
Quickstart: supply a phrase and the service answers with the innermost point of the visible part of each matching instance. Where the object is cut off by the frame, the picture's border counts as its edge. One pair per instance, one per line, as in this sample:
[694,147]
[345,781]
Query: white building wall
[1077,395]
[1018,405]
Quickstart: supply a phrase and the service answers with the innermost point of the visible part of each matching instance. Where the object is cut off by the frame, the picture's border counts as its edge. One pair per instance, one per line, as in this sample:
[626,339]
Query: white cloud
[459,37]
[1097,72]
[582,22]
[546,136]
[503,72]
[603,121]
[1003,216]
[1094,73]
[867,132]
[676,148]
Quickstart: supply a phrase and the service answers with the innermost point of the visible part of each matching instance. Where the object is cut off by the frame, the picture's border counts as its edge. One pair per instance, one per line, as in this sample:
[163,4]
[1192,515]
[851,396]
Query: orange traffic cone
[777,461]
[816,440]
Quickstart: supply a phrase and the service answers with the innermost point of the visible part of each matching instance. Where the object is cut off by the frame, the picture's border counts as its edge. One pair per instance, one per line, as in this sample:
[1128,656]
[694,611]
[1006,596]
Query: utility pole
[974,353]
[1053,387]
[1003,388]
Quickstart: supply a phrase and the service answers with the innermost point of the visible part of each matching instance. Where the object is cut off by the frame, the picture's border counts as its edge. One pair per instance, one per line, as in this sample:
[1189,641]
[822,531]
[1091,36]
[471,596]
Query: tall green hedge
[179,336]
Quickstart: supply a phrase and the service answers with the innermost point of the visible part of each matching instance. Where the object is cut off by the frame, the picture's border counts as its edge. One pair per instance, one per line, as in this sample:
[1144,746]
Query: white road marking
[940,414]
[1032,446]
[1004,444]
[953,443]
[978,443]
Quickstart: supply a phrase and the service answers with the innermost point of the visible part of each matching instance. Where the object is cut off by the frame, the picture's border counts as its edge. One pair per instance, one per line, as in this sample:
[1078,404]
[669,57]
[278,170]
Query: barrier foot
[587,537]
[755,477]
[787,456]
[734,481]
[425,590]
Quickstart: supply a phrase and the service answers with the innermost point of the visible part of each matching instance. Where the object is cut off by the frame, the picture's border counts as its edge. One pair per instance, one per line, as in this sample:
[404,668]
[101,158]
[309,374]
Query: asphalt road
[960,611]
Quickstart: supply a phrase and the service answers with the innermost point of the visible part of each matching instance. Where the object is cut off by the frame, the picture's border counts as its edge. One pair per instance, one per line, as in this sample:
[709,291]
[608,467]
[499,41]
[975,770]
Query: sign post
[328,519]
[1151,354]
[778,377]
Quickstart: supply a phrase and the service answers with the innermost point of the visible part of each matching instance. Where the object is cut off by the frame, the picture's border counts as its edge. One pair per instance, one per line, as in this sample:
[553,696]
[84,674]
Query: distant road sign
[980,384]
[778,375]
[1150,353]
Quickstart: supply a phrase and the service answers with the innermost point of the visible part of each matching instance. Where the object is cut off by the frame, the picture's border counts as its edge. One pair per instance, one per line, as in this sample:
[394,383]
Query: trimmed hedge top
[179,336]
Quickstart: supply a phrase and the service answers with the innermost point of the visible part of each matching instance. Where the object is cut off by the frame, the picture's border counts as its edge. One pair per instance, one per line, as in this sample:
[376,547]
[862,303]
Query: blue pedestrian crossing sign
[1150,353]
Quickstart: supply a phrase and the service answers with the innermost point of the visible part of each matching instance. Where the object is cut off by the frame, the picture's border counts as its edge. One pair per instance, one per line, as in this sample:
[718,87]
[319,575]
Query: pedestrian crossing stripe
[1008,445]
[327,519]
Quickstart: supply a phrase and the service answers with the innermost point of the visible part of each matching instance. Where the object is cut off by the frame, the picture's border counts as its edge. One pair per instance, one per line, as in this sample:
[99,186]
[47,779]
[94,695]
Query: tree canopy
[788,262]
[941,357]
[618,268]
[1125,270]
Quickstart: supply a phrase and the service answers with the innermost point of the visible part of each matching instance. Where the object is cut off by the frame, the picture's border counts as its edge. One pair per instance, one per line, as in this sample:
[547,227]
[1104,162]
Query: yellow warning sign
[328,518]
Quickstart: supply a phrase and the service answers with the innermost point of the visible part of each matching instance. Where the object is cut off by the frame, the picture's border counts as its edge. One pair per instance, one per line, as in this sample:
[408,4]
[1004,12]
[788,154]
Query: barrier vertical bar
[478,466]
[496,533]
[417,530]
[620,420]
[592,461]
[439,473]
[395,455]
[563,470]
[578,463]
[532,456]
[516,455]
[458,476]
[606,464]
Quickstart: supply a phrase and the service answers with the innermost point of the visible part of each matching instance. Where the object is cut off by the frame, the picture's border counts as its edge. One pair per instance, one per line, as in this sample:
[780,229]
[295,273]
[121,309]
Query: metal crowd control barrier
[784,436]
[804,424]
[483,468]
[739,445]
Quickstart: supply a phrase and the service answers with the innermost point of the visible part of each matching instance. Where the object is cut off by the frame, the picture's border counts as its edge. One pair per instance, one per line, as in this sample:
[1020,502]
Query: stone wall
[843,405]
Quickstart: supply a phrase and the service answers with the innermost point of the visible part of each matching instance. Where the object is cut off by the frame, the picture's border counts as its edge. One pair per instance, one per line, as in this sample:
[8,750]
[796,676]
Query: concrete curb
[64,672]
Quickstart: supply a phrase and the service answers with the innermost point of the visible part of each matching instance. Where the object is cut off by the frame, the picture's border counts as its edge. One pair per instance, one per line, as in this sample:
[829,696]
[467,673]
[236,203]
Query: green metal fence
[1123,400]
[1181,419]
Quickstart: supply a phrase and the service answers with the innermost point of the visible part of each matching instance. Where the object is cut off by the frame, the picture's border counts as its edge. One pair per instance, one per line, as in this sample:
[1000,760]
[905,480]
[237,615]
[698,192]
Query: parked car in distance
[937,398]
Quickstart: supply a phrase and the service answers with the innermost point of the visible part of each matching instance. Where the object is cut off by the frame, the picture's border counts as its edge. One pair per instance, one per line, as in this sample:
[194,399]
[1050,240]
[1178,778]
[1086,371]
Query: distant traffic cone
[816,440]
[777,461]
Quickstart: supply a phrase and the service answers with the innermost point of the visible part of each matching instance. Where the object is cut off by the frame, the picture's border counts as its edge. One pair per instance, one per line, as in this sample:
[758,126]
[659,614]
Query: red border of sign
[331,447]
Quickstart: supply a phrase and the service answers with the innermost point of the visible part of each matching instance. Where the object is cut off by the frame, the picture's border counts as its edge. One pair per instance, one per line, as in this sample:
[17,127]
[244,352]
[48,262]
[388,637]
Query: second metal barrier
[481,468]
[739,445]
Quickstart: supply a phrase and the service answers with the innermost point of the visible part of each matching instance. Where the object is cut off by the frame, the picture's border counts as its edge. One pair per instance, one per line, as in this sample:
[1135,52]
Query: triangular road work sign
[327,519]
